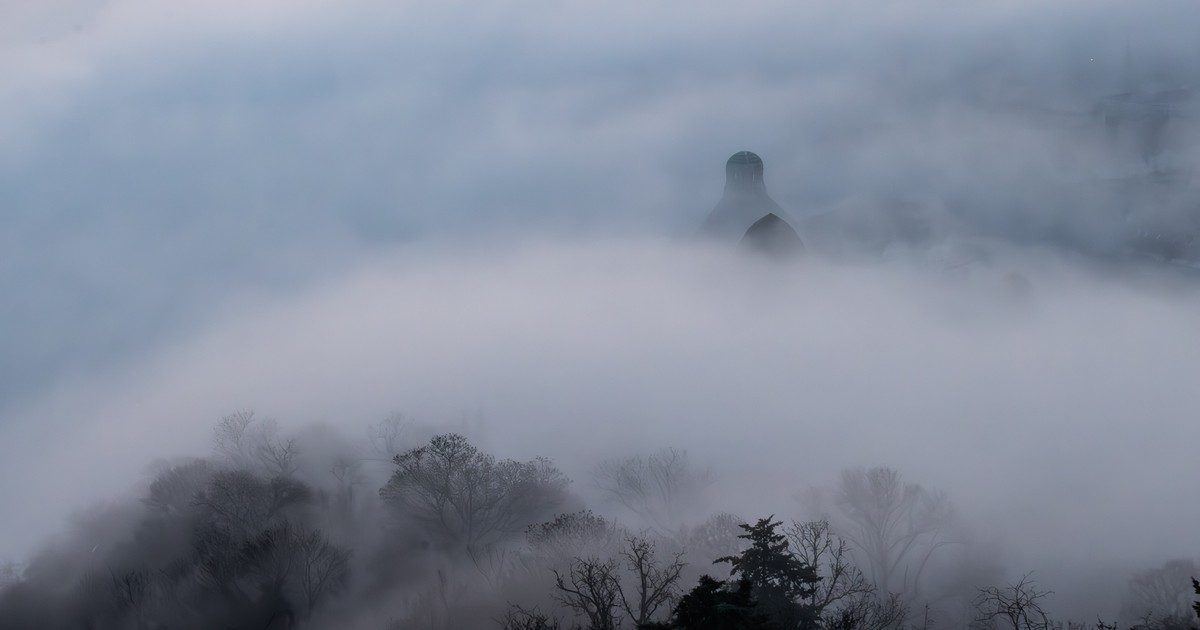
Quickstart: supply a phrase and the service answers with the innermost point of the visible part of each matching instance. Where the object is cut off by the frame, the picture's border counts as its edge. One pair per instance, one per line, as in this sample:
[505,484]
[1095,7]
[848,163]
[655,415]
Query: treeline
[278,530]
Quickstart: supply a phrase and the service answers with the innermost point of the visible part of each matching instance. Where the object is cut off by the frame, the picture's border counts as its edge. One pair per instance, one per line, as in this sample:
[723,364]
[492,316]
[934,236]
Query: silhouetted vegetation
[285,531]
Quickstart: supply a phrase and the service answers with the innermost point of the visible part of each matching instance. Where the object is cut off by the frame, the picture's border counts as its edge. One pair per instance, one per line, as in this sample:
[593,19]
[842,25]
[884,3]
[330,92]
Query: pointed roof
[772,236]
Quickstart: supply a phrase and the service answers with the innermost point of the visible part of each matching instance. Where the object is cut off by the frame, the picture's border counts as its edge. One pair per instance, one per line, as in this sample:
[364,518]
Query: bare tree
[655,584]
[288,558]
[467,497]
[233,438]
[659,487]
[250,443]
[242,504]
[278,456]
[175,488]
[591,589]
[815,544]
[518,618]
[323,567]
[869,612]
[716,537]
[1161,596]
[1017,606]
[235,502]
[218,565]
[896,526]
[574,534]
[347,472]
[270,560]
[388,437]
[498,563]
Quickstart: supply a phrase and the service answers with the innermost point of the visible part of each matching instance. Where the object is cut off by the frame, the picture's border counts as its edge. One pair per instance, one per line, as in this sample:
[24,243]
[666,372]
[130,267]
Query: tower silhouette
[747,214]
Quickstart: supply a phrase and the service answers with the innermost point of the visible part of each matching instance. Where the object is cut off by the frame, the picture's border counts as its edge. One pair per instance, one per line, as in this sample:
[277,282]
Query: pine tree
[779,581]
[717,605]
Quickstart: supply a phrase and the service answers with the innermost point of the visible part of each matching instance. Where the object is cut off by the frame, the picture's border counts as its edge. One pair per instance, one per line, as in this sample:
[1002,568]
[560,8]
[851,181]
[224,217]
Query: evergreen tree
[717,605]
[780,582]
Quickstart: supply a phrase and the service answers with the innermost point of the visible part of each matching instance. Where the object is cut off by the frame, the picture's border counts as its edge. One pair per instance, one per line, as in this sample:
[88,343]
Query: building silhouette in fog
[772,237]
[747,214]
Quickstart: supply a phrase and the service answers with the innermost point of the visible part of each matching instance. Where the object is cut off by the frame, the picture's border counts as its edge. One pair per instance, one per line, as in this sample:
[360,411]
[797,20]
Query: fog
[484,218]
[158,157]
[1059,416]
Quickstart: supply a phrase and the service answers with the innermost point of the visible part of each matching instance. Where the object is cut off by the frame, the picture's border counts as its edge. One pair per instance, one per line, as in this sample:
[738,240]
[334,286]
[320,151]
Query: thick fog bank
[158,153]
[1053,401]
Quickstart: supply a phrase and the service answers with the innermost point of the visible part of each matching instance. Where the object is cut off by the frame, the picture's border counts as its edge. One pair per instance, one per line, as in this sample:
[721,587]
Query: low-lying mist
[1052,400]
[157,155]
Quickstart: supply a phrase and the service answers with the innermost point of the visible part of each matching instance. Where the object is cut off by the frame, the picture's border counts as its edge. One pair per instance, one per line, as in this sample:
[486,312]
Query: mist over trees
[277,529]
[466,498]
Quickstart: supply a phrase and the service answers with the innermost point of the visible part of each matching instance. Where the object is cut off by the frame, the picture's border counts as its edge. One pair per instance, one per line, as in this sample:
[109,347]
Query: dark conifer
[780,582]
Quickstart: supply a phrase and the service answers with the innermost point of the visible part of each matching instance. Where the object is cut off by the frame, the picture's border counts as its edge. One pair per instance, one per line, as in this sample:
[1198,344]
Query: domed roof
[744,170]
[745,157]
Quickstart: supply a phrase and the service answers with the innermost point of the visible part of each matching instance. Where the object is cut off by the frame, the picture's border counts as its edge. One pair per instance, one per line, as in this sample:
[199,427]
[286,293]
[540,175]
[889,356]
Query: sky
[320,209]
[159,158]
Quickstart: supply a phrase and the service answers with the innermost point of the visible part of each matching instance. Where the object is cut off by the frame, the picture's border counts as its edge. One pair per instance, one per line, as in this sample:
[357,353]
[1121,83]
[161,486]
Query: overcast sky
[159,156]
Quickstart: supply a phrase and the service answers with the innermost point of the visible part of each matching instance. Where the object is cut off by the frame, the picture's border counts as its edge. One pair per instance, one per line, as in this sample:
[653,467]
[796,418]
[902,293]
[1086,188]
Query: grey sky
[157,159]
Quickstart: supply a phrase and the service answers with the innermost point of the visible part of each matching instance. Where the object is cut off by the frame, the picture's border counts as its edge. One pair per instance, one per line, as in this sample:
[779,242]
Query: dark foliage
[719,605]
[209,547]
[591,588]
[781,583]
[573,534]
[265,536]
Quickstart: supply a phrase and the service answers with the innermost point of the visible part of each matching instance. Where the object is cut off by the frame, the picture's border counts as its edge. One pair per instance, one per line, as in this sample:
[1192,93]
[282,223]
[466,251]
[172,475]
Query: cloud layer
[1056,410]
[157,157]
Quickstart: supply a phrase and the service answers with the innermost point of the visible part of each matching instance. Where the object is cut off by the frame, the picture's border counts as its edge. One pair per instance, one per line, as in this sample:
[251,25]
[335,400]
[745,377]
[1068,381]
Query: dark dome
[744,170]
[745,157]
